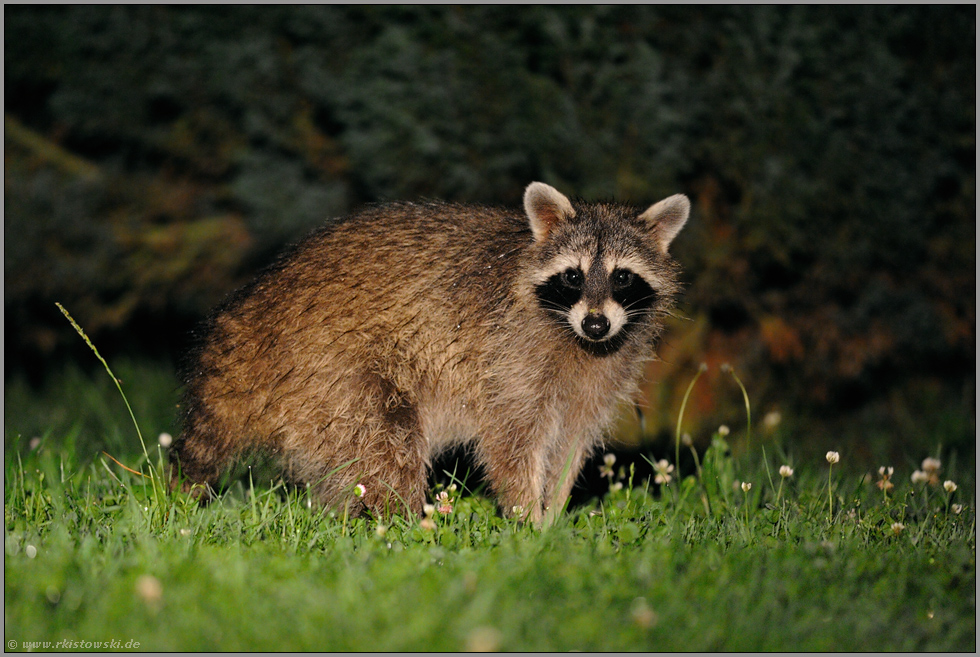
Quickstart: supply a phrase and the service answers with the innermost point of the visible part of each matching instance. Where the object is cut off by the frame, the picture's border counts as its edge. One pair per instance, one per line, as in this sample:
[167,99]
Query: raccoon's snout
[595,326]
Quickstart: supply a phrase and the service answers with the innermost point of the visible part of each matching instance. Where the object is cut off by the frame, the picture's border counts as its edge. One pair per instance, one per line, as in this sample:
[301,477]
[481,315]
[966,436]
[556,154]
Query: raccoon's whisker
[558,310]
[644,302]
[553,307]
[640,300]
[648,309]
[676,316]
[640,310]
[633,314]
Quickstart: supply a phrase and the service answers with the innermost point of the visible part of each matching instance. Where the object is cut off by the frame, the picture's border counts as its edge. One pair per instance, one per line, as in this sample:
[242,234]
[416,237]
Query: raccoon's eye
[572,278]
[622,278]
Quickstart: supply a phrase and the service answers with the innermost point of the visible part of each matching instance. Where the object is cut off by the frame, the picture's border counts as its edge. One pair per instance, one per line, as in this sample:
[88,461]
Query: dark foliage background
[156,156]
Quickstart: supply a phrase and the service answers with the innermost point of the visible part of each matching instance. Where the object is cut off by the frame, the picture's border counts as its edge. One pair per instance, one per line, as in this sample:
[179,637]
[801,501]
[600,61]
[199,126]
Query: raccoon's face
[604,273]
[600,296]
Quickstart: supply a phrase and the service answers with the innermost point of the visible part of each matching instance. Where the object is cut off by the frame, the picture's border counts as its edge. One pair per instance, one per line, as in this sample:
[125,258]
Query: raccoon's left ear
[546,207]
[666,218]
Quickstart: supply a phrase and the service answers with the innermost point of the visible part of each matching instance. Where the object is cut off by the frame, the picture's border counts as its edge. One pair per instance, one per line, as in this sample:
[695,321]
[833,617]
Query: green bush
[829,151]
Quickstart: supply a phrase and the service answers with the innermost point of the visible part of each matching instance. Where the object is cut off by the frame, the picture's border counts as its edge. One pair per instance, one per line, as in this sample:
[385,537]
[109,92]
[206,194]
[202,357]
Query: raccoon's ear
[667,217]
[546,207]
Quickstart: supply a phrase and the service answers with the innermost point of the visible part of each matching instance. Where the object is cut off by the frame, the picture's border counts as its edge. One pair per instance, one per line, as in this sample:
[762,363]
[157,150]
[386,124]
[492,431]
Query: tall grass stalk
[102,360]
[680,416]
[748,408]
[832,458]
[156,483]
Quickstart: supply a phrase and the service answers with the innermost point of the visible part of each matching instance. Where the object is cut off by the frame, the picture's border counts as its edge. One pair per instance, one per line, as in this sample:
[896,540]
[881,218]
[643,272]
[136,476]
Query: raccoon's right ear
[667,217]
[546,207]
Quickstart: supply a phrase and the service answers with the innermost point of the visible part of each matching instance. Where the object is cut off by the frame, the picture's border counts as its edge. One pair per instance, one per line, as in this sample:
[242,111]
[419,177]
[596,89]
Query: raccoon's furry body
[406,328]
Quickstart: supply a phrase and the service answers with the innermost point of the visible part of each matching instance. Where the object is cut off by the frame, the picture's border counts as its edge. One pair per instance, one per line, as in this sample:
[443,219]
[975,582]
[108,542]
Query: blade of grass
[680,416]
[748,409]
[88,341]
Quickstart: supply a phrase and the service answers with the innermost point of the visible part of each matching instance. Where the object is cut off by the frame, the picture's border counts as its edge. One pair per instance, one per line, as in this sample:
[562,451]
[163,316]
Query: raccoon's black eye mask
[562,290]
[622,279]
[631,291]
[572,278]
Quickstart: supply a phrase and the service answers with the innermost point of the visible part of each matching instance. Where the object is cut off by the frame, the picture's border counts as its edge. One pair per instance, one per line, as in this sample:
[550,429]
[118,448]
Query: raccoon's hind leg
[376,443]
[199,456]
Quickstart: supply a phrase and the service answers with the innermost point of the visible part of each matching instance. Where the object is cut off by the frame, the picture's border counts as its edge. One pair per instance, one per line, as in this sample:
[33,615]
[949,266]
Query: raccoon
[407,328]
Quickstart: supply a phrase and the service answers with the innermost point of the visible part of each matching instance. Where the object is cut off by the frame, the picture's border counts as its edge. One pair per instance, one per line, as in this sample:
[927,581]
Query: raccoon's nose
[595,326]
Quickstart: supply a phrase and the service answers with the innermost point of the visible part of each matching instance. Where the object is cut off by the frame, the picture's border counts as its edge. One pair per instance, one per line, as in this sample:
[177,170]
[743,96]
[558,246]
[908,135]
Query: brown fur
[406,328]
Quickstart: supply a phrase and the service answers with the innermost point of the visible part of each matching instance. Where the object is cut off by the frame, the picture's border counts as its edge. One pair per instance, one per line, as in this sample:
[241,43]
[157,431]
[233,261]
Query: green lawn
[96,553]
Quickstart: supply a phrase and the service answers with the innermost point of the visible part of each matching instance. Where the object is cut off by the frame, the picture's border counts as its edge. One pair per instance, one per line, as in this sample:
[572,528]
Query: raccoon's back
[397,284]
[396,253]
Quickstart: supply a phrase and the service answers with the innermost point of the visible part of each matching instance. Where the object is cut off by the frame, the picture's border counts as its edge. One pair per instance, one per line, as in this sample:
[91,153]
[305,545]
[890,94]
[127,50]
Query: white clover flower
[785,471]
[833,457]
[606,470]
[663,469]
[886,474]
[723,430]
[445,503]
[31,551]
[380,531]
[772,419]
[931,468]
[428,510]
[165,439]
[686,440]
[919,477]
[642,614]
[149,589]
[897,528]
[746,486]
[483,639]
[957,508]
[949,486]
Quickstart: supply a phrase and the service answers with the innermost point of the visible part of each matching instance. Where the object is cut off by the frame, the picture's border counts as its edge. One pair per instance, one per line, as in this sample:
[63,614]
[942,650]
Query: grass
[94,552]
